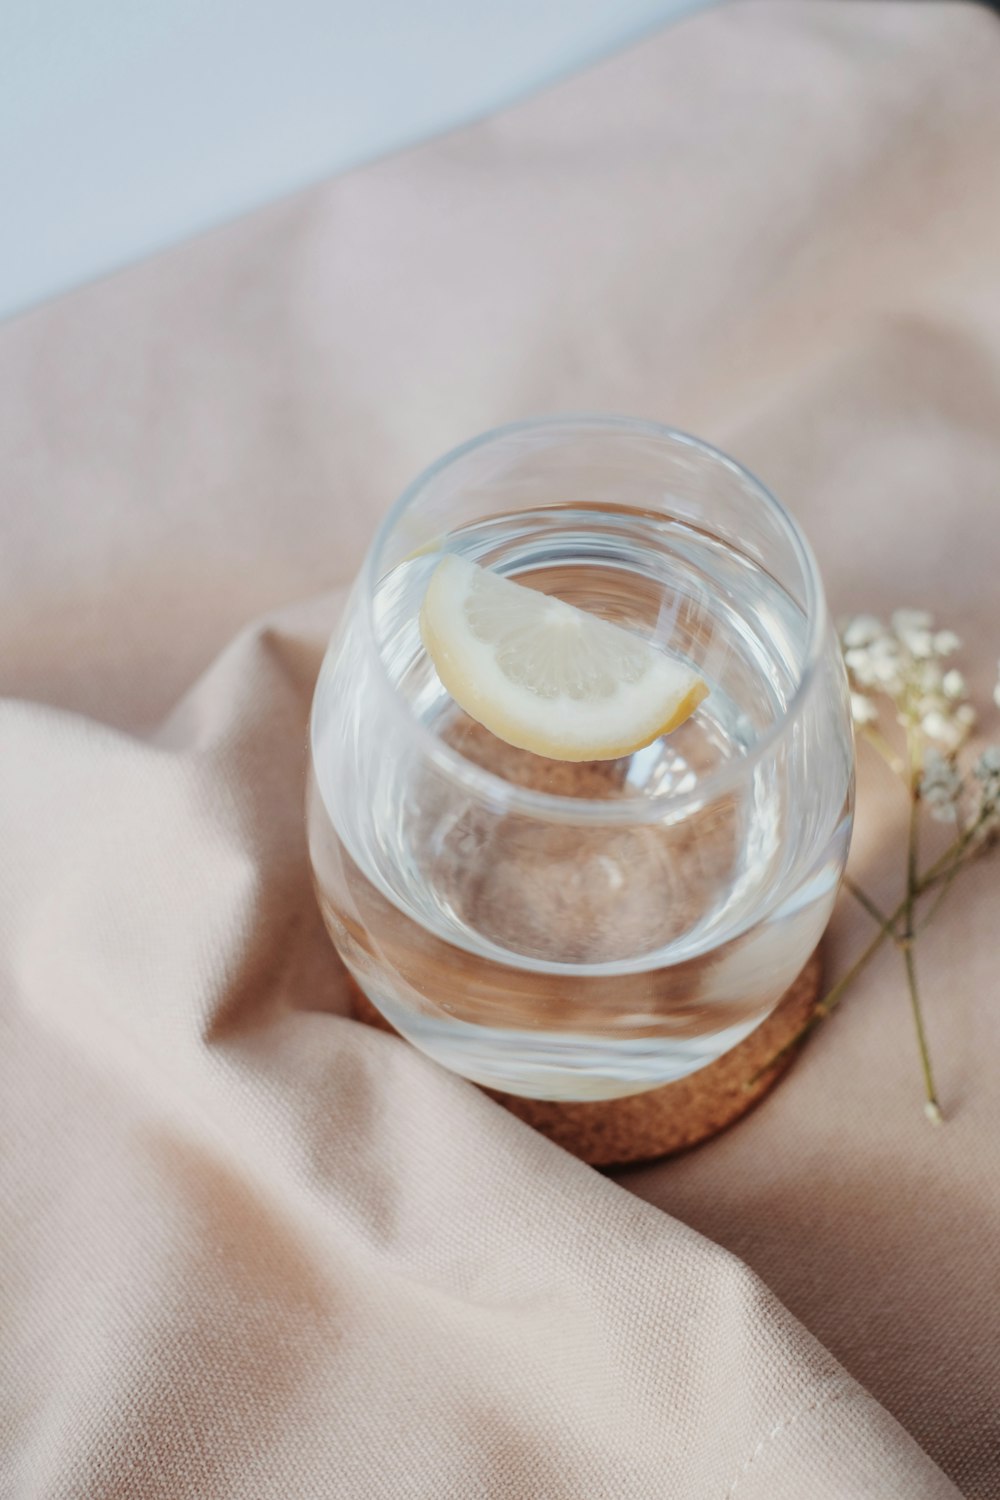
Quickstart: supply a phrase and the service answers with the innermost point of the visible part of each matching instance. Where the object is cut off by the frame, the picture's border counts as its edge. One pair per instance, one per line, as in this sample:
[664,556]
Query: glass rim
[552,805]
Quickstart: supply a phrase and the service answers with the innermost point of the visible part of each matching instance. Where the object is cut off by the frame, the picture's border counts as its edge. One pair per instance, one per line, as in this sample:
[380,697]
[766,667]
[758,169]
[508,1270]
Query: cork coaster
[614,1132]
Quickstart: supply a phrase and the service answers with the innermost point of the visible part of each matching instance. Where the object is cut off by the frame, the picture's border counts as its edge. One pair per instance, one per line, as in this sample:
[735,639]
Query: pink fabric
[250,1248]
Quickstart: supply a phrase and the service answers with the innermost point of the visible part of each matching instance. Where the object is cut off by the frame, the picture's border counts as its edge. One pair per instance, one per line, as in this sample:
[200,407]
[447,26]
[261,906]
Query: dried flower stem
[881,745]
[932,1108]
[946,866]
[960,846]
[878,916]
[902,666]
[942,871]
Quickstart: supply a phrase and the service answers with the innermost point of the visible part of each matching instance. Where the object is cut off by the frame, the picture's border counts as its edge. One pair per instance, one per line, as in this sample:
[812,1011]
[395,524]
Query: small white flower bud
[888,676]
[944,731]
[861,630]
[919,642]
[940,786]
[863,710]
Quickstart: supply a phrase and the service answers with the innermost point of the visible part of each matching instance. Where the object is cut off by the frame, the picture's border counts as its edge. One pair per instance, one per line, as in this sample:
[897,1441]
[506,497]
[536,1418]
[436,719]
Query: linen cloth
[251,1248]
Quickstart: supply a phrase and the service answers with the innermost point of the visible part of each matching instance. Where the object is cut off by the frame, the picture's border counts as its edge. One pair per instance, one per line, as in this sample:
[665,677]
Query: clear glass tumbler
[585,931]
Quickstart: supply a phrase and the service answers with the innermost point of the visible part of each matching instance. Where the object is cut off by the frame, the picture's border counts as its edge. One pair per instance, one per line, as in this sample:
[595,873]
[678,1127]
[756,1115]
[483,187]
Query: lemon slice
[545,676]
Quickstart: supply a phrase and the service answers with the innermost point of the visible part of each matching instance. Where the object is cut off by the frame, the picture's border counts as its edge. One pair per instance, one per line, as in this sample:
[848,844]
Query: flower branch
[899,680]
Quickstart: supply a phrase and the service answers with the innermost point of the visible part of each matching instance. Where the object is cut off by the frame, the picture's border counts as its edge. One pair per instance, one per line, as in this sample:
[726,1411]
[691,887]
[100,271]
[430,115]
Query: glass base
[635,1124]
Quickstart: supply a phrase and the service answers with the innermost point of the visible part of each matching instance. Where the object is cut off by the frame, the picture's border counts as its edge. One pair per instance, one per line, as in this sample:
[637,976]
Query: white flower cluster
[987,773]
[906,661]
[941,786]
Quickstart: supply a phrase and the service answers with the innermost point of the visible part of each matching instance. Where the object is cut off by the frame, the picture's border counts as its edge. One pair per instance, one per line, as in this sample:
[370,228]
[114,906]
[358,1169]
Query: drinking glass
[571,931]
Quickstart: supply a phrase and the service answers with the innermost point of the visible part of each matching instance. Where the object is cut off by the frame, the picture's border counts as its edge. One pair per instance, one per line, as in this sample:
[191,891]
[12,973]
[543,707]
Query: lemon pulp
[545,676]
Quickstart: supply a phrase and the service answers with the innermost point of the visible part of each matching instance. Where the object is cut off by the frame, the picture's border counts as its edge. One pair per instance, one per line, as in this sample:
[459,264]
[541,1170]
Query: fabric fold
[291,1255]
[249,1248]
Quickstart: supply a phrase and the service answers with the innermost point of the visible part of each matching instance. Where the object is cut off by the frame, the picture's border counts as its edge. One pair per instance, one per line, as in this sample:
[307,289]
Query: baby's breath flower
[928,676]
[863,710]
[887,665]
[905,662]
[885,648]
[913,629]
[861,630]
[987,773]
[943,730]
[940,786]
[860,665]
[888,676]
